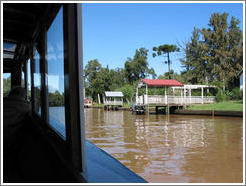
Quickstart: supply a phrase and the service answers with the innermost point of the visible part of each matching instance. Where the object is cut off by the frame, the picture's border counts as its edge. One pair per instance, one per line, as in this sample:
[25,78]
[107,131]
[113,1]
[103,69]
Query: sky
[113,32]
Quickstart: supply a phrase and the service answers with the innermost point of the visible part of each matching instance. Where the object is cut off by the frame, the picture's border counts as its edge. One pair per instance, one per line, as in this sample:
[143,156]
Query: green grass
[125,105]
[227,105]
[97,105]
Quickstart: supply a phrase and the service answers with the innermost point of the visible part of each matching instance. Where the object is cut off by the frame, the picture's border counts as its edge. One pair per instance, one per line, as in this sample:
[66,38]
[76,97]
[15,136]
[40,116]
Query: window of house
[55,75]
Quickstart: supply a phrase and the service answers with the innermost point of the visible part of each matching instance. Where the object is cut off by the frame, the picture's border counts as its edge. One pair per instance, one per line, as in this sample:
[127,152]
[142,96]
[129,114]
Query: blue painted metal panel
[103,168]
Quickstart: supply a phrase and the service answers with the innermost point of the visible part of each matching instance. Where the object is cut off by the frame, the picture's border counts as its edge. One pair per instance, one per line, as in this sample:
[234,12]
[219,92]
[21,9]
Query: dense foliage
[99,79]
[214,55]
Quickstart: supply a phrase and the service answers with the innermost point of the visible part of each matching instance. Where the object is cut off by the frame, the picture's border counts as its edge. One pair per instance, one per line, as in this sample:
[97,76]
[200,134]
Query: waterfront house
[113,99]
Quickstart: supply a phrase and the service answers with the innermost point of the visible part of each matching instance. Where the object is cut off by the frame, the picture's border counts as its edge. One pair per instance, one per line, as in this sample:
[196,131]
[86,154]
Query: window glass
[29,79]
[6,84]
[55,62]
[23,79]
[37,83]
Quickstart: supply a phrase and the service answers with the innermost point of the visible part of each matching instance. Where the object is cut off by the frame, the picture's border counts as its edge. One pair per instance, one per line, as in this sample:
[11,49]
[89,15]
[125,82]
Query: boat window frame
[72,149]
[33,66]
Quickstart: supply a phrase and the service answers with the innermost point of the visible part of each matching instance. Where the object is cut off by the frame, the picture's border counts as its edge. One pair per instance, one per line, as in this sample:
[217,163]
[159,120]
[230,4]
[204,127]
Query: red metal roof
[162,82]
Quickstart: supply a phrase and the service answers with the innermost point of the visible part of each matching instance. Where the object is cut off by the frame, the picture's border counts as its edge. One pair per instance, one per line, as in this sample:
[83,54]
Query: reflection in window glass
[37,83]
[55,61]
[22,79]
[6,84]
[29,79]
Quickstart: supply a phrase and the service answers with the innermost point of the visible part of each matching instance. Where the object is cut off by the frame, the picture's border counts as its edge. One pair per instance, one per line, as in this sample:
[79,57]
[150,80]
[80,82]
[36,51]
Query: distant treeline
[213,55]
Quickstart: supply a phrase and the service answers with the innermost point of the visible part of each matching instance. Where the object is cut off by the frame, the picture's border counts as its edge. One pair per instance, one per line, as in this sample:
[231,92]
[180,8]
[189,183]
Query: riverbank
[220,106]
[231,109]
[210,113]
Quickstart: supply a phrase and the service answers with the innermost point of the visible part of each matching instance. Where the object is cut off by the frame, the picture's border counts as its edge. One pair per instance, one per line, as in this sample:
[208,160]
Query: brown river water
[174,148]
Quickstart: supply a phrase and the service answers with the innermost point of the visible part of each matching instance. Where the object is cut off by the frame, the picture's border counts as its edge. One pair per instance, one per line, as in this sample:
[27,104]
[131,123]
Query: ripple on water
[170,149]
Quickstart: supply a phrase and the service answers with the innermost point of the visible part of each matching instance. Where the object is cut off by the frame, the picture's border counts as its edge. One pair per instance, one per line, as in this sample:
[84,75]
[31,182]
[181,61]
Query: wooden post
[146,94]
[190,95]
[165,95]
[147,101]
[202,95]
[181,96]
[99,101]
[184,95]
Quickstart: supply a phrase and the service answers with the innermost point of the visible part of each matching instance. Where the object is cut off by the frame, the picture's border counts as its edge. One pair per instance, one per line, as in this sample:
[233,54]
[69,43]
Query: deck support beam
[165,95]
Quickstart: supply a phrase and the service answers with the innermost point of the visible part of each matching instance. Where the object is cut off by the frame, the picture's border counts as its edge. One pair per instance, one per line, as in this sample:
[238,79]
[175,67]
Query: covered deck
[171,99]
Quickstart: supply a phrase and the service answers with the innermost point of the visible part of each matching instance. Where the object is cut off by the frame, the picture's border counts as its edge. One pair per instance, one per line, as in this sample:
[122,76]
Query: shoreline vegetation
[212,56]
[219,106]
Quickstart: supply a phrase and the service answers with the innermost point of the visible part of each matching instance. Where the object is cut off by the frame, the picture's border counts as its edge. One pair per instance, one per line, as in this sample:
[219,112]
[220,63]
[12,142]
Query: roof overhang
[160,83]
[113,94]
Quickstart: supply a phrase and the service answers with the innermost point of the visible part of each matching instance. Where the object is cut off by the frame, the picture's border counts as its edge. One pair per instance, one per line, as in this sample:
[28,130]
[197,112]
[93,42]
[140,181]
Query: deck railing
[120,103]
[180,100]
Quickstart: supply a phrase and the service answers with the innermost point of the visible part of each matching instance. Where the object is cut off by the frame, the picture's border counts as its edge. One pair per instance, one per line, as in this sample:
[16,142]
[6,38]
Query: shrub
[196,93]
[228,94]
[237,94]
[208,94]
[221,96]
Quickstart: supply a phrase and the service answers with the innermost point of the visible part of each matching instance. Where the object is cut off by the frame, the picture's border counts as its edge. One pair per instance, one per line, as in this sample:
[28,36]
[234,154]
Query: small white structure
[113,99]
[240,74]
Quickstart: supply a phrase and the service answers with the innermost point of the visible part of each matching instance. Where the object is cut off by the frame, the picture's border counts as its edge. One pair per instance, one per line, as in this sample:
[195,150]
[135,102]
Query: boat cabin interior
[36,148]
[43,104]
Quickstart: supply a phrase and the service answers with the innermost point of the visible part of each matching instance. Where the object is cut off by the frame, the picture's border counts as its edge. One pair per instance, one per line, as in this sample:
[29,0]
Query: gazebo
[158,83]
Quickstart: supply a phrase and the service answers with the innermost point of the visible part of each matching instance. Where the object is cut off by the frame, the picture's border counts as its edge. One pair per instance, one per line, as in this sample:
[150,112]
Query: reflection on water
[171,148]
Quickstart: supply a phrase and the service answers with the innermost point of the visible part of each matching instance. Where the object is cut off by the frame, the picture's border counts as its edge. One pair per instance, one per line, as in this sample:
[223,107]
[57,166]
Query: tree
[91,75]
[176,76]
[165,49]
[137,68]
[118,78]
[128,92]
[216,57]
